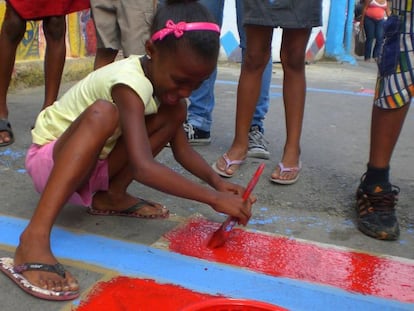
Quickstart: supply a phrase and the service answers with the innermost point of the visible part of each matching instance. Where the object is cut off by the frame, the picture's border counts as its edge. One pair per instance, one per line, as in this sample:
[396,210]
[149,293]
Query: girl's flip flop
[135,210]
[284,169]
[15,274]
[229,163]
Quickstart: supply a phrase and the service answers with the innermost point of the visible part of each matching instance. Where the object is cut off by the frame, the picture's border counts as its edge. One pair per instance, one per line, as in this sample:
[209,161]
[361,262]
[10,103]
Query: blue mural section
[339,32]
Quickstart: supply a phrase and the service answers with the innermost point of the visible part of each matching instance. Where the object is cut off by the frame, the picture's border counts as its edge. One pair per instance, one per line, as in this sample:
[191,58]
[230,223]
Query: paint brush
[220,236]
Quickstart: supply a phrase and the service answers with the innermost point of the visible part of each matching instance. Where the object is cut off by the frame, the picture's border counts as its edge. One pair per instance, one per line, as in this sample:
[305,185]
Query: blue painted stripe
[198,275]
[309,89]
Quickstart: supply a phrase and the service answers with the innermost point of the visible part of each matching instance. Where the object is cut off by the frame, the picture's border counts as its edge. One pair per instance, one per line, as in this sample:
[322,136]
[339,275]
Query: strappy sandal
[283,169]
[15,274]
[6,127]
[229,163]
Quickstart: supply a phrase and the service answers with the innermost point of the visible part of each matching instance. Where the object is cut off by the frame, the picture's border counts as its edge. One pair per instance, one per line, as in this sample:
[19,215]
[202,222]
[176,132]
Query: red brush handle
[252,183]
[229,223]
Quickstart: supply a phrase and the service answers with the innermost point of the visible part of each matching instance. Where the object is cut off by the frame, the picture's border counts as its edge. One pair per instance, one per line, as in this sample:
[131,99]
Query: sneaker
[257,144]
[376,211]
[196,136]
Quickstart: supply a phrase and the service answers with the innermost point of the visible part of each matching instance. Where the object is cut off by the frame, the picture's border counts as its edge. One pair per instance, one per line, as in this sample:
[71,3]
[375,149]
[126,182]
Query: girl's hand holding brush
[234,205]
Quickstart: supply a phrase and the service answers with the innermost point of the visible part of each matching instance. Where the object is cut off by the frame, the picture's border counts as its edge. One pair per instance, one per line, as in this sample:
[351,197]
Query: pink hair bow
[179,29]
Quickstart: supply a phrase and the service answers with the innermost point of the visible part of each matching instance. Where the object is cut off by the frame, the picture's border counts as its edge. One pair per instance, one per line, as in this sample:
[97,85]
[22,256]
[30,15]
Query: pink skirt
[39,165]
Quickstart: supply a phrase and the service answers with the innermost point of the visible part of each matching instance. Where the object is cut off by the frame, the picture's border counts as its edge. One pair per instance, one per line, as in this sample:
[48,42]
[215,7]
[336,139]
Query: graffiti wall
[80,36]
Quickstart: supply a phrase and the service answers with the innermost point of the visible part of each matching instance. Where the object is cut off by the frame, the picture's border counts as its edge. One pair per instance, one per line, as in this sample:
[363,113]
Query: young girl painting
[105,132]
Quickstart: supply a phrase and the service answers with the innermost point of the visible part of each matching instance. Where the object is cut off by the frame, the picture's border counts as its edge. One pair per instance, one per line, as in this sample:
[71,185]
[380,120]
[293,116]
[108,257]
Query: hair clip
[179,29]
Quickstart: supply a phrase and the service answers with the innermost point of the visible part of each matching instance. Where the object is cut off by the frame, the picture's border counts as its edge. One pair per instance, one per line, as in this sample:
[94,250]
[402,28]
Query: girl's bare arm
[156,175]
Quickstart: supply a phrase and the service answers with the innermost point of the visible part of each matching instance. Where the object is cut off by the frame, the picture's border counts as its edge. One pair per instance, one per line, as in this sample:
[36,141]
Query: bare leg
[385,129]
[293,50]
[11,34]
[54,29]
[160,128]
[257,55]
[75,155]
[376,197]
[104,57]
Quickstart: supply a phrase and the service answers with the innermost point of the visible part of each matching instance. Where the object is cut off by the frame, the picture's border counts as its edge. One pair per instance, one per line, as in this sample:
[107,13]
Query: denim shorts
[295,14]
[39,165]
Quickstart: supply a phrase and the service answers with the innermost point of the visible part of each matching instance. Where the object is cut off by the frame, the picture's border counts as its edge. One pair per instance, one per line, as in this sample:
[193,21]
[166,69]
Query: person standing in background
[202,100]
[121,25]
[376,197]
[373,16]
[260,18]
[52,14]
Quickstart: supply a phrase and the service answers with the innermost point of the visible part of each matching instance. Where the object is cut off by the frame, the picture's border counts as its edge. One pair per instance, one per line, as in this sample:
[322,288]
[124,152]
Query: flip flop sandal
[15,274]
[133,211]
[228,164]
[6,127]
[284,169]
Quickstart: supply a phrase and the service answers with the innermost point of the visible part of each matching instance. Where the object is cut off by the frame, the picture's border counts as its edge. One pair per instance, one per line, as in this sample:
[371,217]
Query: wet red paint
[130,294]
[278,256]
[224,304]
[367,91]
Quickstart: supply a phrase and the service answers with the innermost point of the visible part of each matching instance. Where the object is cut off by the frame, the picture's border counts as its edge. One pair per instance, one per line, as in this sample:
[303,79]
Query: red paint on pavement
[367,91]
[279,256]
[130,294]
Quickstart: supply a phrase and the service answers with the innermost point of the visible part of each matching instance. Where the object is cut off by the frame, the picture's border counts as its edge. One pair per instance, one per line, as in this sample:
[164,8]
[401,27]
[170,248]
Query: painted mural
[80,37]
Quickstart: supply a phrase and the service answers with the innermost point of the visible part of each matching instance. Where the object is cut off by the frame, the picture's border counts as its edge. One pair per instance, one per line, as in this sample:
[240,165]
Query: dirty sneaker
[196,136]
[257,144]
[376,211]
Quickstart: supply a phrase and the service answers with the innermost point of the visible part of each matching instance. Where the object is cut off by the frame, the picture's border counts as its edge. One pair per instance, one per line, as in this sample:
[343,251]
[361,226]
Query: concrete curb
[30,73]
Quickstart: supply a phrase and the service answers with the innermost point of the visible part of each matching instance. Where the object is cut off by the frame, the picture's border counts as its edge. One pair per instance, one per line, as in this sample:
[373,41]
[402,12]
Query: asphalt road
[319,207]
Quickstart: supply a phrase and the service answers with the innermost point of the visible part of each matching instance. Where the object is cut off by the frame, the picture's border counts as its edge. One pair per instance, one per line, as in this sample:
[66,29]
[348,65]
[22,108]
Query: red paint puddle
[124,294]
[130,294]
[283,257]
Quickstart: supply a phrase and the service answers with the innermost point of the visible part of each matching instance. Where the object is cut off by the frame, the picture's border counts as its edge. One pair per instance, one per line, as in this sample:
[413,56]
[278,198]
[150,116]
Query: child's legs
[161,128]
[293,49]
[75,155]
[54,29]
[386,126]
[262,106]
[12,31]
[256,57]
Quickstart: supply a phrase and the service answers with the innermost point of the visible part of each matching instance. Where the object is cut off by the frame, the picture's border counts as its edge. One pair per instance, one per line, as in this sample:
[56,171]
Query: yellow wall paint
[33,44]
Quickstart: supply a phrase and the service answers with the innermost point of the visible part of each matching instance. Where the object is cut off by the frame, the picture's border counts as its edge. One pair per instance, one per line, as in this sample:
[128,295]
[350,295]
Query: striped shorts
[395,88]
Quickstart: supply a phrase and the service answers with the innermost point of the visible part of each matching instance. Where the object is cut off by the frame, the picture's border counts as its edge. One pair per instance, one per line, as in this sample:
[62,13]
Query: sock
[376,176]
